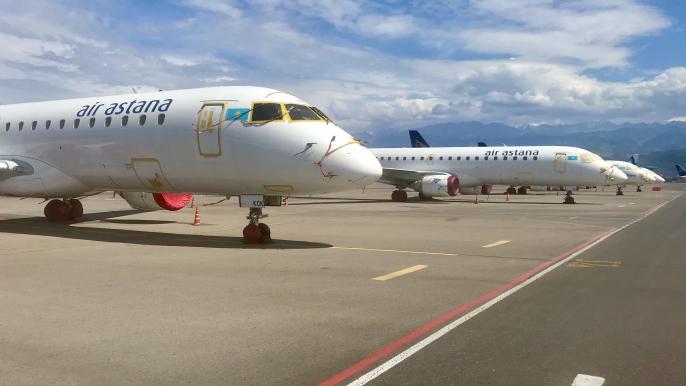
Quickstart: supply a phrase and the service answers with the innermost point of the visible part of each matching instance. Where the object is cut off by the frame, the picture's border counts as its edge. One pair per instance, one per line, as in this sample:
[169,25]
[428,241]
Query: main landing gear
[638,189]
[511,191]
[620,192]
[256,232]
[399,196]
[522,190]
[63,210]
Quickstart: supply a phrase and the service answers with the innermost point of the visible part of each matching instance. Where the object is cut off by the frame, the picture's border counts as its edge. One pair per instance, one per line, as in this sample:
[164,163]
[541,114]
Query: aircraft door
[560,162]
[208,129]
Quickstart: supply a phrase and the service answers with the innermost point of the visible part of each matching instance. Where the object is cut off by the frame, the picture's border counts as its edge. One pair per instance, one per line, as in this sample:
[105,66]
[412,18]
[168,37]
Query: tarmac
[351,281]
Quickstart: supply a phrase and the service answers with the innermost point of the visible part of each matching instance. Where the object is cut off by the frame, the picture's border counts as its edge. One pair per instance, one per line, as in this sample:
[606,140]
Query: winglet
[416,139]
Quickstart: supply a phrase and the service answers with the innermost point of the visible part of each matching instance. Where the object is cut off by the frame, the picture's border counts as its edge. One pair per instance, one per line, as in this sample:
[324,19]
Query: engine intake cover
[156,201]
[439,186]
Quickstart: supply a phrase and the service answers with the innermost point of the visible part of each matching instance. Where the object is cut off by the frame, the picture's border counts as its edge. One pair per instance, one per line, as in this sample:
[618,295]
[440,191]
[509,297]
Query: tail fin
[481,144]
[682,172]
[416,139]
[634,159]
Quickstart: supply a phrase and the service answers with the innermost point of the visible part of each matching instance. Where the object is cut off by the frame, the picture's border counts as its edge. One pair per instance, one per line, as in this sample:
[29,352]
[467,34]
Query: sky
[370,65]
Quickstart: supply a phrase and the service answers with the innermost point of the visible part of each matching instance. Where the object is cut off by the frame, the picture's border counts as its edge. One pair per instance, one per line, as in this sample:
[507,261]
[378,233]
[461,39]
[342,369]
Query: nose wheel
[63,210]
[620,192]
[256,232]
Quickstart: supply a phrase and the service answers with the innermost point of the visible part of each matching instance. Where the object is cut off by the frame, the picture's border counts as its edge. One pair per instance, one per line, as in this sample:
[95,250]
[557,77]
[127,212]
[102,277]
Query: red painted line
[444,319]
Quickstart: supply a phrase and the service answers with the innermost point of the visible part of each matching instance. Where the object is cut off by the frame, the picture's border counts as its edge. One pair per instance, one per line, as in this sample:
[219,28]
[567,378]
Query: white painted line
[402,272]
[573,217]
[491,245]
[389,364]
[588,380]
[621,206]
[396,251]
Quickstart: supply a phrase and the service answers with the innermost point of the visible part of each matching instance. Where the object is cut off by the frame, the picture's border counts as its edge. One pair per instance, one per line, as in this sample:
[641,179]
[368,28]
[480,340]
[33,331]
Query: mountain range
[659,145]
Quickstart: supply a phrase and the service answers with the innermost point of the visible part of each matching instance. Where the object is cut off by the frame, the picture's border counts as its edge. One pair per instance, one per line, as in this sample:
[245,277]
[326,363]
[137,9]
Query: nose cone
[362,168]
[618,177]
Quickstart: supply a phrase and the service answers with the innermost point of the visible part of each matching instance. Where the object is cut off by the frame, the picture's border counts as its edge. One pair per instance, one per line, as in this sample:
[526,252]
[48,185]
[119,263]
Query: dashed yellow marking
[580,263]
[402,272]
[491,245]
[396,251]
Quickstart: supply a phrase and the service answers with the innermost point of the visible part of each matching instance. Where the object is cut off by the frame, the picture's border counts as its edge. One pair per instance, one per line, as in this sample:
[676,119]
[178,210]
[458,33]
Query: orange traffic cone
[285,202]
[196,221]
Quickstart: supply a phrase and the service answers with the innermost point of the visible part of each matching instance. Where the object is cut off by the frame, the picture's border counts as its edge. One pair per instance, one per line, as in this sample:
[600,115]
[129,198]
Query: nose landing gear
[256,232]
[620,192]
[63,210]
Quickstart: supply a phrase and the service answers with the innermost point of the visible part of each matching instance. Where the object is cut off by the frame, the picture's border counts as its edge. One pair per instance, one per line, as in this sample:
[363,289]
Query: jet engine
[156,201]
[438,186]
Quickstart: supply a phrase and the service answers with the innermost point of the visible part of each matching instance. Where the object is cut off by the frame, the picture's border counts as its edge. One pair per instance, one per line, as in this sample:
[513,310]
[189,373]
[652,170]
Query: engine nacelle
[438,186]
[156,201]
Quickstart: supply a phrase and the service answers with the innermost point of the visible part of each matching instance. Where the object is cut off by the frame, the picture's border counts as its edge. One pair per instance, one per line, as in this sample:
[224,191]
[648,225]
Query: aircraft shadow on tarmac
[38,226]
[424,201]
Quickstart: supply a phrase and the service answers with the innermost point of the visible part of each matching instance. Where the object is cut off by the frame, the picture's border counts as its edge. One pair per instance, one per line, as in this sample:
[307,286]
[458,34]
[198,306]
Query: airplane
[156,149]
[650,176]
[636,175]
[447,171]
[416,140]
[681,171]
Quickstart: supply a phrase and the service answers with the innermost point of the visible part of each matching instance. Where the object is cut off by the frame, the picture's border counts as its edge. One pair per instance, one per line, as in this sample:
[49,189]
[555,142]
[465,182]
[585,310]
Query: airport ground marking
[588,380]
[395,251]
[581,263]
[402,272]
[447,322]
[573,217]
[495,244]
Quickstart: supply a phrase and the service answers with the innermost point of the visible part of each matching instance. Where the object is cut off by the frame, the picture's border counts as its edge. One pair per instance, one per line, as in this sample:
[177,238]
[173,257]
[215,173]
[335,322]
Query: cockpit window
[302,113]
[321,114]
[589,157]
[266,112]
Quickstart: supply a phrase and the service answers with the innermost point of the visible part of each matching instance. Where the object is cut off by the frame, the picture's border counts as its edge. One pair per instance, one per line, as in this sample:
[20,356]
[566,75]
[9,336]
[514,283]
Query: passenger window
[160,119]
[505,158]
[421,158]
[397,158]
[262,112]
[431,158]
[476,158]
[62,123]
[124,120]
[459,157]
[440,158]
[76,123]
[7,126]
[466,158]
[34,124]
[21,125]
[412,158]
[450,158]
[535,158]
[141,120]
[485,158]
[525,158]
[91,123]
[514,158]
[495,158]
[108,121]
[404,158]
[302,113]
[47,125]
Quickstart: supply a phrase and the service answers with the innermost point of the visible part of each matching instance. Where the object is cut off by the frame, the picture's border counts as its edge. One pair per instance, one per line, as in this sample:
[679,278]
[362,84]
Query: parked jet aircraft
[549,172]
[156,148]
[446,171]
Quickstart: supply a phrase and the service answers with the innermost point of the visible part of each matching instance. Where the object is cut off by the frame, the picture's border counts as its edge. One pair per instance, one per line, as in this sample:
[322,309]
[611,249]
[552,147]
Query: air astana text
[135,106]
[511,152]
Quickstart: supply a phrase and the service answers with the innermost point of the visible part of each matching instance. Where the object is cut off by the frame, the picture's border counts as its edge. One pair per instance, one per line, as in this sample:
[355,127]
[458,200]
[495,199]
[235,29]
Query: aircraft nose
[617,176]
[360,166]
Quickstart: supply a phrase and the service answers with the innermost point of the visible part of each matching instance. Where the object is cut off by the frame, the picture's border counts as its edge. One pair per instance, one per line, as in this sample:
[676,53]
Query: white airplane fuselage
[509,165]
[192,141]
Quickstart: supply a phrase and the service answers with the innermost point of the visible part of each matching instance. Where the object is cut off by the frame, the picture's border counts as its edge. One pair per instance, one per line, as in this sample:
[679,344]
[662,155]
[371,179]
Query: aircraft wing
[404,177]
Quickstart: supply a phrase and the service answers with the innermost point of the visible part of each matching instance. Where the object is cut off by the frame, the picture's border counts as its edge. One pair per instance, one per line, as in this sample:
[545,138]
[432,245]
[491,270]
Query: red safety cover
[172,201]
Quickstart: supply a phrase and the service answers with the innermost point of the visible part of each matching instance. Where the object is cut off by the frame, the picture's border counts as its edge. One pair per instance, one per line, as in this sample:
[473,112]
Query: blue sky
[369,64]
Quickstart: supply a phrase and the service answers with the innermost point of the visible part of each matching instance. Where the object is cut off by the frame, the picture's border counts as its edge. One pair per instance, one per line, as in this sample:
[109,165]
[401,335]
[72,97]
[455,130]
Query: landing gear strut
[638,189]
[63,210]
[569,199]
[511,191]
[256,232]
[399,196]
[522,190]
[620,192]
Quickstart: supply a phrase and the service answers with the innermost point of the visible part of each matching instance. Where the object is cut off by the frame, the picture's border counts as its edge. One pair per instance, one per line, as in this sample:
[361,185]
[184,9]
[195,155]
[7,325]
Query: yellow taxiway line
[396,251]
[402,272]
[491,245]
